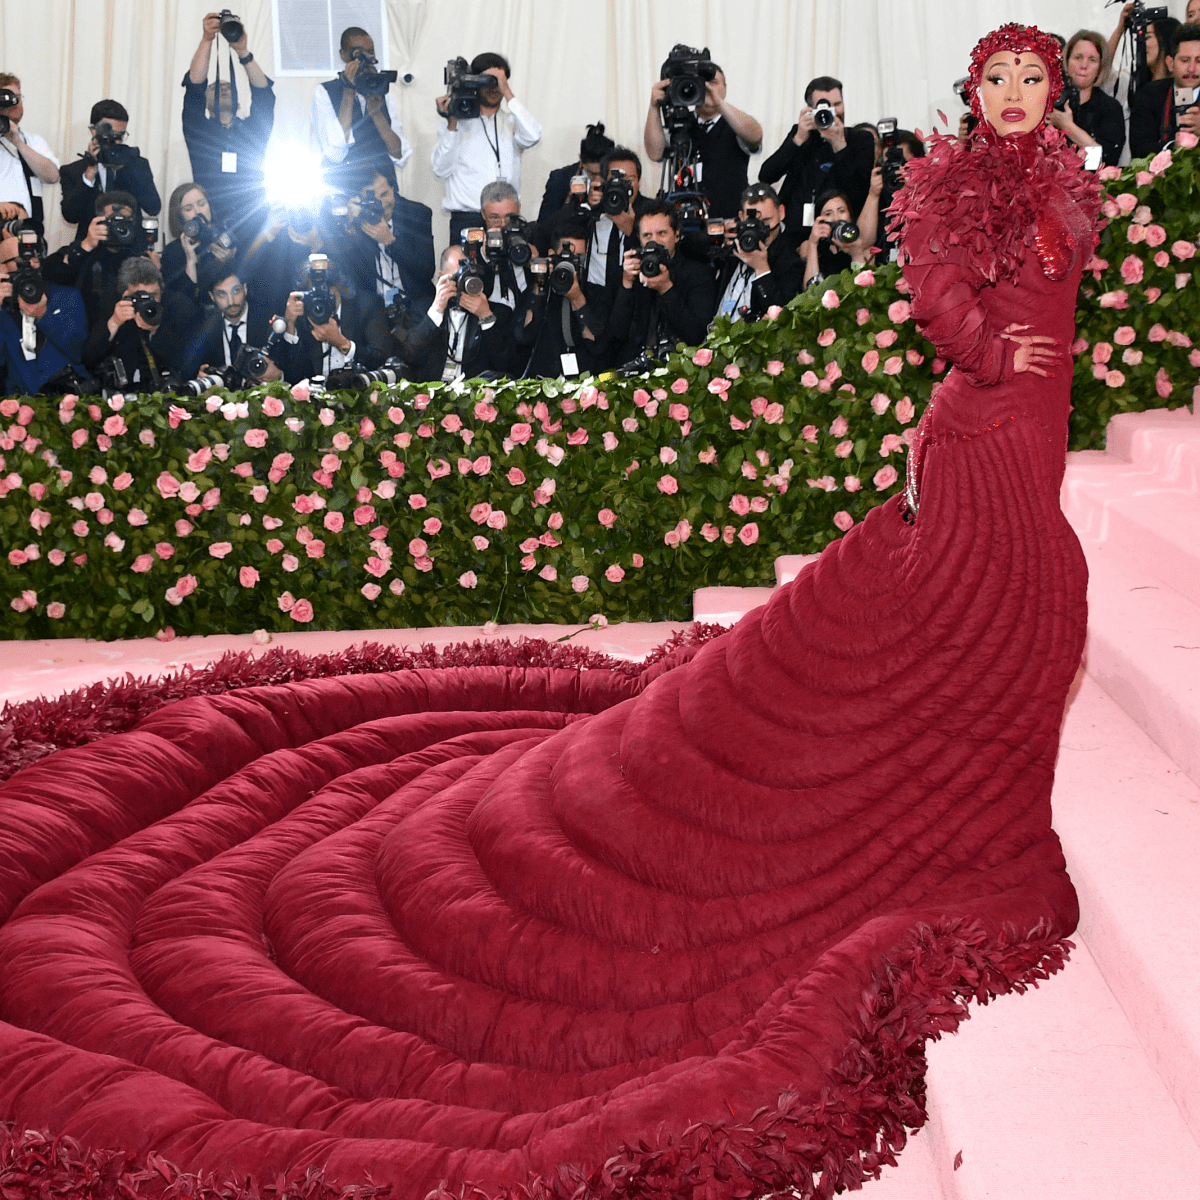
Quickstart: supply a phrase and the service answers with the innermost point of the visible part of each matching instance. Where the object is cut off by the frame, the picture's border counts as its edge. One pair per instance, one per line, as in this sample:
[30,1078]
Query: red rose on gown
[495,926]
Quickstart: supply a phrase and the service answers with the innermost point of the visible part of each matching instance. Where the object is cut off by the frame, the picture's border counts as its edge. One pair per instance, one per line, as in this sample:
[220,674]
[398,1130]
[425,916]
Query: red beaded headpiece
[1017,38]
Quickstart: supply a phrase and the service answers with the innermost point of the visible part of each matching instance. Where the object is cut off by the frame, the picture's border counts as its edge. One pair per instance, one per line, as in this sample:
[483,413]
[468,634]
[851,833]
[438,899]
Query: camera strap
[568,339]
[36,208]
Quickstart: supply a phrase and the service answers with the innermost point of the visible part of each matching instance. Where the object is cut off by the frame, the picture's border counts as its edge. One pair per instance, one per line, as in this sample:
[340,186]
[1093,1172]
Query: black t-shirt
[1103,118]
[724,174]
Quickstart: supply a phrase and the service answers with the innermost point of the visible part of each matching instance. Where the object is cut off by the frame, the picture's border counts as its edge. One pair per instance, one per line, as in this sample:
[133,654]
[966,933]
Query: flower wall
[538,500]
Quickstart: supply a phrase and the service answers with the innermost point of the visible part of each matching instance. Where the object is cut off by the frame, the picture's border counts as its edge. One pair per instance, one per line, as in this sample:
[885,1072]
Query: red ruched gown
[492,926]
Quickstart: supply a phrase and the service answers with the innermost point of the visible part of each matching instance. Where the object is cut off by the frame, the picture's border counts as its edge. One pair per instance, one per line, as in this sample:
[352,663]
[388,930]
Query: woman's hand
[1034,351]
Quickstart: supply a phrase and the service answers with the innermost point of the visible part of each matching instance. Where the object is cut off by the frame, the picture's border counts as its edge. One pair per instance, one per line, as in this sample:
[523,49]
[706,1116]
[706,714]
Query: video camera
[27,282]
[319,303]
[688,70]
[469,275]
[510,242]
[893,154]
[111,148]
[1141,17]
[200,229]
[369,80]
[464,89]
[8,99]
[616,193]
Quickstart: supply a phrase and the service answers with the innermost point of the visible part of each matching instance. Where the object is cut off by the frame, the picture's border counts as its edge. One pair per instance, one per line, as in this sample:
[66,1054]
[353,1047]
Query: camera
[200,229]
[122,231]
[345,378]
[111,149]
[1141,17]
[232,29]
[199,385]
[1070,95]
[960,90]
[688,71]
[692,209]
[751,232]
[251,363]
[464,89]
[510,242]
[469,275]
[8,99]
[842,232]
[27,282]
[319,304]
[369,80]
[654,259]
[893,154]
[823,115]
[370,208]
[565,267]
[616,194]
[147,306]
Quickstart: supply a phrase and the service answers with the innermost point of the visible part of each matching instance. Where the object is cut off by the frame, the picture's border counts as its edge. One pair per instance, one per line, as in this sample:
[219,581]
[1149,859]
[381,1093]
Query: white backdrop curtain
[573,63]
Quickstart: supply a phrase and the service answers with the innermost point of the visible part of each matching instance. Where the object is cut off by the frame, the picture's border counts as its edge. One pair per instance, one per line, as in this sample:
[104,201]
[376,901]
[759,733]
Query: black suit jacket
[683,313]
[210,340]
[812,167]
[412,252]
[1152,118]
[784,280]
[483,349]
[362,320]
[79,200]
[172,344]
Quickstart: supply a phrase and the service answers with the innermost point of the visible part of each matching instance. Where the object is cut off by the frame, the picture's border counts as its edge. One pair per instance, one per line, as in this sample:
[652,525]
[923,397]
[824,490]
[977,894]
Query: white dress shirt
[332,140]
[13,188]
[480,151]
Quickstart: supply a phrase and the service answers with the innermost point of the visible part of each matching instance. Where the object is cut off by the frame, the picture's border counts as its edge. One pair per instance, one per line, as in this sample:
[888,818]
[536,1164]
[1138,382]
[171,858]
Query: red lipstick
[1013,115]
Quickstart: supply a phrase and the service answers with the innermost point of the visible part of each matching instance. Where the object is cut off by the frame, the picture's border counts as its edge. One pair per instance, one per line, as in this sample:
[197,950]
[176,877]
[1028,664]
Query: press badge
[229,162]
[810,215]
[570,364]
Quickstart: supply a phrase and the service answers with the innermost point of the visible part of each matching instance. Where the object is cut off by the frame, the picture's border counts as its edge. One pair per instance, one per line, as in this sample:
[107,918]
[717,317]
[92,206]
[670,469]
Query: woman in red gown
[507,928]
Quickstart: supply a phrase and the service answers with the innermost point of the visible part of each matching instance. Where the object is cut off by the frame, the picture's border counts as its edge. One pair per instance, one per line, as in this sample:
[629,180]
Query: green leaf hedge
[538,500]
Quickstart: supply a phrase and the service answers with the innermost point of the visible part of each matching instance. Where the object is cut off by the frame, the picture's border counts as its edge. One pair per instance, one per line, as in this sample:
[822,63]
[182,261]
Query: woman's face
[835,209]
[194,204]
[1014,91]
[1084,64]
[1152,48]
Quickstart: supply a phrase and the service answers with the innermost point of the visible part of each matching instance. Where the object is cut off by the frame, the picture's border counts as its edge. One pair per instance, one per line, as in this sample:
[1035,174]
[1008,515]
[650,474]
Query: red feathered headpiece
[1018,39]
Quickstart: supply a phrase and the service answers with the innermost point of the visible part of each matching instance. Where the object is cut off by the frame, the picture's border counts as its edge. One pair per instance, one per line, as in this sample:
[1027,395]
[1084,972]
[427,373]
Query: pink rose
[879,403]
[748,534]
[1126,203]
[774,367]
[894,365]
[1158,164]
[862,316]
[497,520]
[580,583]
[167,485]
[679,386]
[1186,139]
[480,512]
[1114,379]
[1183,249]
[248,577]
[702,358]
[290,563]
[482,465]
[480,543]
[718,387]
[884,477]
[668,484]
[844,449]
[1132,269]
[1161,259]
[555,520]
[899,311]
[274,545]
[98,475]
[1102,352]
[483,412]
[804,358]
[302,611]
[57,557]
[272,406]
[56,611]
[870,361]
[142,563]
[614,573]
[315,548]
[1162,383]
[1133,358]
[115,426]
[364,514]
[739,504]
[577,437]
[809,379]
[773,415]
[520,433]
[431,526]
[864,278]
[637,560]
[733,371]
[199,459]
[515,476]
[416,501]
[830,299]
[852,483]
[891,441]
[1099,370]
[905,410]
[451,422]
[255,438]
[137,517]
[826,337]
[607,517]
[843,520]
[610,439]
[1136,234]
[548,573]
[667,455]
[1158,332]
[1125,335]
[334,521]
[678,412]
[185,585]
[885,338]
[468,579]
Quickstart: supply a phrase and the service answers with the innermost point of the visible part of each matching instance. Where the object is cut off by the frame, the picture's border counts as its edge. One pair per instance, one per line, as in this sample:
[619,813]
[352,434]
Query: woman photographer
[823,254]
[181,257]
[1096,119]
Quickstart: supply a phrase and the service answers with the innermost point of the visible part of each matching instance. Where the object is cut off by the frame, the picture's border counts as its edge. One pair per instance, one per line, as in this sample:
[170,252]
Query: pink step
[727,605]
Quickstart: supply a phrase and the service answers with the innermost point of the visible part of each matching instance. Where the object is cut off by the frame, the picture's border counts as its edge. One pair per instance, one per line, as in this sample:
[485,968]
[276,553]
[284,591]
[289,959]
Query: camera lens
[823,116]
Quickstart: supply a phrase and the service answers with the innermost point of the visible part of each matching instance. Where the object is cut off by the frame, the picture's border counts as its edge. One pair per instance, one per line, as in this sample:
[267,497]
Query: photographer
[26,162]
[330,324]
[42,328]
[555,331]
[764,265]
[107,165]
[1087,115]
[390,247]
[1162,108]
[356,127]
[835,242]
[148,333]
[235,323]
[226,150]
[594,146]
[474,151]
[722,138]
[91,265]
[613,231]
[189,209]
[461,336]
[506,279]
[664,298]
[820,153]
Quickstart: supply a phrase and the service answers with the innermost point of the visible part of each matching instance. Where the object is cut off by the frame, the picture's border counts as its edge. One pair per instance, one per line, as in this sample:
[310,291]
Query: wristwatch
[249,57]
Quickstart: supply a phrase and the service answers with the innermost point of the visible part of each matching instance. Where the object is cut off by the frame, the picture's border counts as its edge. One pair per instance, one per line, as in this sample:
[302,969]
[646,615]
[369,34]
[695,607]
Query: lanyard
[495,148]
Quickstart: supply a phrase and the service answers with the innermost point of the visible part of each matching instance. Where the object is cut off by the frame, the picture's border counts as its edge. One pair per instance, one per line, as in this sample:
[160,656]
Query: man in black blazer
[355,332]
[593,147]
[392,257]
[461,336]
[750,281]
[91,175]
[236,320]
[1162,108]
[674,304]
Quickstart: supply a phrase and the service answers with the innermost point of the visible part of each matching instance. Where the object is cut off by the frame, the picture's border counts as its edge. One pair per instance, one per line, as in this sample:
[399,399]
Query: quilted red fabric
[508,927]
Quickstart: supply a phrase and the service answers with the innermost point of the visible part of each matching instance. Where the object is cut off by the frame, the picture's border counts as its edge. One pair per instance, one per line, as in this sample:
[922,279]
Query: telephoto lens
[201,384]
